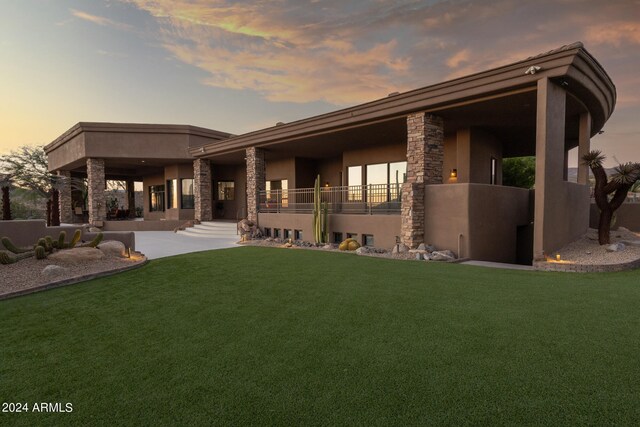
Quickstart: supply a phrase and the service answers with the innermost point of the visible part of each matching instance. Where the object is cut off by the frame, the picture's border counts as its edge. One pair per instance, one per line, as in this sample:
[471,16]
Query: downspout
[459,245]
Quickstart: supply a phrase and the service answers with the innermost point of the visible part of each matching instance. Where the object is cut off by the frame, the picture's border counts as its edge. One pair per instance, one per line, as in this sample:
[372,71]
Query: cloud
[99,20]
[349,52]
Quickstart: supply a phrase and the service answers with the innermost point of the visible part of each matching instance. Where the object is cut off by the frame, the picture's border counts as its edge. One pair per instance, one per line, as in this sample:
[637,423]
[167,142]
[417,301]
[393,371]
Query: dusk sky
[238,66]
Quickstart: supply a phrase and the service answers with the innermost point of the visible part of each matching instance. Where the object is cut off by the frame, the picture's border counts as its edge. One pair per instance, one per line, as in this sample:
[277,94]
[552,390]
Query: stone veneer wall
[65,202]
[202,183]
[425,157]
[96,183]
[256,180]
[585,268]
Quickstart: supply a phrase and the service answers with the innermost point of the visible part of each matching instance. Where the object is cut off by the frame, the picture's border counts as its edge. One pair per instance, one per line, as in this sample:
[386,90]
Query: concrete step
[209,234]
[217,225]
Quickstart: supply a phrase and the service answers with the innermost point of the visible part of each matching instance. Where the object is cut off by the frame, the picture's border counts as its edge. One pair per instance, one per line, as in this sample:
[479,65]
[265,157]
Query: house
[413,167]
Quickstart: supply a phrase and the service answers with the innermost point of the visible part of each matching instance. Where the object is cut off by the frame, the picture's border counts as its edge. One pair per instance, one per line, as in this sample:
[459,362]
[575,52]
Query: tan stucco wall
[330,170]
[282,169]
[67,153]
[487,216]
[136,145]
[384,228]
[179,171]
[474,149]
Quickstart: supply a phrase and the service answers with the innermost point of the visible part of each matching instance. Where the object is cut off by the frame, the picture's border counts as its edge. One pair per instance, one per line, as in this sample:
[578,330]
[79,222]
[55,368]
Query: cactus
[349,245]
[40,252]
[61,238]
[24,255]
[41,243]
[13,248]
[320,214]
[75,239]
[49,243]
[95,242]
[5,258]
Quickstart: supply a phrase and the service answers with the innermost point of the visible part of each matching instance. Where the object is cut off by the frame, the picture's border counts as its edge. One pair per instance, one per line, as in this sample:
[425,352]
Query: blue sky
[238,66]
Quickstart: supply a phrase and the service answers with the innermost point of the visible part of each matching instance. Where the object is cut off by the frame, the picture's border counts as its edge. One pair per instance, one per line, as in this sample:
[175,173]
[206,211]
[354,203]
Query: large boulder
[615,247]
[77,255]
[445,255]
[400,249]
[113,248]
[53,271]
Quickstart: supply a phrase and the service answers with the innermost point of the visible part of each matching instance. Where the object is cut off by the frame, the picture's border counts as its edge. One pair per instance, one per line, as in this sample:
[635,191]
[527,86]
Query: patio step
[212,229]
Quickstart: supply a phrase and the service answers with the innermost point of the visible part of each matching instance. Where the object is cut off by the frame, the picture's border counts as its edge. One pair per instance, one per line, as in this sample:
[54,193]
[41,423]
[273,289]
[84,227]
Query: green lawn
[289,337]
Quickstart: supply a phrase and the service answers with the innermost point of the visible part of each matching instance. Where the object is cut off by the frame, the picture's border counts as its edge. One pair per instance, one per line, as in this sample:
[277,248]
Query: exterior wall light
[454,173]
[326,184]
[557,257]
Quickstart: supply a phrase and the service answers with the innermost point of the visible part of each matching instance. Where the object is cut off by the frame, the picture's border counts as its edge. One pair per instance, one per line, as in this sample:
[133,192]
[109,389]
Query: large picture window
[172,194]
[278,191]
[156,198]
[226,190]
[188,196]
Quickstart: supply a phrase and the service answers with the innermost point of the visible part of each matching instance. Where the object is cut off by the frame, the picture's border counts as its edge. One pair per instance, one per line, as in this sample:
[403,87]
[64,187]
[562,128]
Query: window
[226,190]
[297,234]
[354,181]
[397,177]
[267,232]
[377,177]
[287,234]
[172,193]
[278,191]
[188,196]
[276,232]
[494,171]
[337,237]
[352,235]
[367,239]
[156,198]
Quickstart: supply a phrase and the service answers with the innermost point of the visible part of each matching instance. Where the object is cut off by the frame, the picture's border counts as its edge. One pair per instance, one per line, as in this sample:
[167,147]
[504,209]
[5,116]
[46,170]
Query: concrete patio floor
[160,244]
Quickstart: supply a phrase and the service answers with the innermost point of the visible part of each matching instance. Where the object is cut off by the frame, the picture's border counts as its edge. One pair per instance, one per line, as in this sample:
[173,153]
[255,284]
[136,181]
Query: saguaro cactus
[320,214]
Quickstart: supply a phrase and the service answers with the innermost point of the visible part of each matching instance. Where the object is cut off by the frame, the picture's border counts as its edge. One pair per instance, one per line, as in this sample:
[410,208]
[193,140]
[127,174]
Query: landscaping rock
[419,256]
[615,247]
[400,249]
[327,246]
[113,248]
[631,242]
[422,247]
[445,255]
[363,250]
[52,271]
[77,255]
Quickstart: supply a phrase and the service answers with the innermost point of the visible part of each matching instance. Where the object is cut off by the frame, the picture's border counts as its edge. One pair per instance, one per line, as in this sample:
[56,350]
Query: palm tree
[610,193]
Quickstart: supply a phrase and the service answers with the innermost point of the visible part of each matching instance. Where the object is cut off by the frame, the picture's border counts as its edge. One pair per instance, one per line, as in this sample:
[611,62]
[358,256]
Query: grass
[271,336]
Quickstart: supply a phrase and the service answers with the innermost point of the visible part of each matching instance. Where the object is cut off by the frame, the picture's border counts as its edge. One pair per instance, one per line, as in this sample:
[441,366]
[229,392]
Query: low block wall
[26,233]
[628,216]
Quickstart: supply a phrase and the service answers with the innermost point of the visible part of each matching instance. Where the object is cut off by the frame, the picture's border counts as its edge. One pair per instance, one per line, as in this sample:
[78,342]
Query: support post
[256,180]
[96,183]
[202,183]
[65,203]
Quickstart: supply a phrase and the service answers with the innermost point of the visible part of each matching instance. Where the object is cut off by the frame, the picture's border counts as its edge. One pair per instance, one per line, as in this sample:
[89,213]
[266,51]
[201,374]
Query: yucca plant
[610,193]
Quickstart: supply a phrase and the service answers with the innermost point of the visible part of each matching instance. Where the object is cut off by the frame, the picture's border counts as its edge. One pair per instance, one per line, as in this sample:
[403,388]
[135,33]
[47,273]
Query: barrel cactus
[61,239]
[349,245]
[75,239]
[5,258]
[11,247]
[40,252]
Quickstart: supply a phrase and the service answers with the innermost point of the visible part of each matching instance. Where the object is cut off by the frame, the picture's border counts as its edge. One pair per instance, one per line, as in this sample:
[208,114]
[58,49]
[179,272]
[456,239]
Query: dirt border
[72,280]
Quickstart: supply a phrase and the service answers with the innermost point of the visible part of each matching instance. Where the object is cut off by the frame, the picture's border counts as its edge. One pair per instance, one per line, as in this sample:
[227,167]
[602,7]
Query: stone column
[202,190]
[256,180]
[96,183]
[584,145]
[131,198]
[425,157]
[65,203]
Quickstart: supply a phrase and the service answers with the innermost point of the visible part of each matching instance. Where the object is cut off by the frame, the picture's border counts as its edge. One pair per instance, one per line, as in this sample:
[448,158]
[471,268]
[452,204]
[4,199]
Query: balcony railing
[355,199]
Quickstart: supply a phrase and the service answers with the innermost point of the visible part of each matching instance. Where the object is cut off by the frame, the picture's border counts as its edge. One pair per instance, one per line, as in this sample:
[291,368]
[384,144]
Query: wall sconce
[326,184]
[454,173]
[557,257]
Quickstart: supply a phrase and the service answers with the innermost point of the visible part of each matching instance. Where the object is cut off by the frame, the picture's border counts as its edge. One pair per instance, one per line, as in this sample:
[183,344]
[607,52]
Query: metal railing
[355,199]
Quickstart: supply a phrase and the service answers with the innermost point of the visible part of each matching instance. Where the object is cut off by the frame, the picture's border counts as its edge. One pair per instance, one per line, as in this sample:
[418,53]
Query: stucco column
[131,198]
[584,141]
[202,189]
[96,183]
[65,204]
[550,134]
[256,180]
[425,156]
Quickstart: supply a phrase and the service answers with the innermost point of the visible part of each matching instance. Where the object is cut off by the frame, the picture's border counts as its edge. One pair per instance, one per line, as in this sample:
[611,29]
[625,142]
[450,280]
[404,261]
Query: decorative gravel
[587,250]
[26,274]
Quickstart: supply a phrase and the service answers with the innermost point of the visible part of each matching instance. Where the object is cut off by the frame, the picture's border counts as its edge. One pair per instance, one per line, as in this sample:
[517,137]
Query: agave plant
[610,193]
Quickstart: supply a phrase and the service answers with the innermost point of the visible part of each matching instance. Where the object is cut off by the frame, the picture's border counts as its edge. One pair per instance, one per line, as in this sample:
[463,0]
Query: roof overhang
[571,65]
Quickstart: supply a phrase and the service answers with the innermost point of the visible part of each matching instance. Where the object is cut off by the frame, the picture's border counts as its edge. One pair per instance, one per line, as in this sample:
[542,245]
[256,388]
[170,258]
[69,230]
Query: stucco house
[419,166]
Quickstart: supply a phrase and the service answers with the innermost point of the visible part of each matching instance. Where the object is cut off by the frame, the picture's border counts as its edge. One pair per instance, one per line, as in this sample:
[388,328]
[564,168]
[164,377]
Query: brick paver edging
[584,268]
[71,281]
